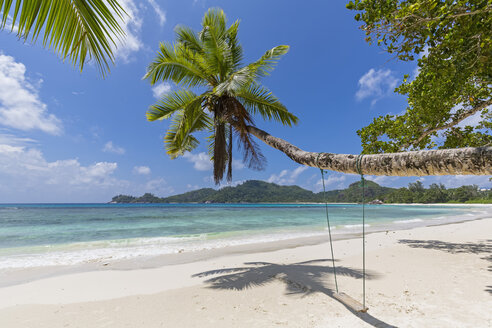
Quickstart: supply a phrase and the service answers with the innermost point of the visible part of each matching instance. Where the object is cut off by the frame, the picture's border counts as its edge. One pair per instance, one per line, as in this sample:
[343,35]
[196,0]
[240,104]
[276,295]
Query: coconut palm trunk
[459,161]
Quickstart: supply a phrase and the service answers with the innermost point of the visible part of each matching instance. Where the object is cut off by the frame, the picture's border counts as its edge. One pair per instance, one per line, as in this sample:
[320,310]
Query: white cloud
[12,140]
[287,177]
[298,171]
[232,184]
[26,175]
[95,174]
[333,180]
[109,147]
[202,162]
[336,180]
[237,164]
[161,14]
[143,170]
[376,85]
[471,120]
[131,24]
[201,2]
[158,186]
[382,180]
[20,106]
[9,27]
[161,89]
[192,187]
[454,181]
[278,178]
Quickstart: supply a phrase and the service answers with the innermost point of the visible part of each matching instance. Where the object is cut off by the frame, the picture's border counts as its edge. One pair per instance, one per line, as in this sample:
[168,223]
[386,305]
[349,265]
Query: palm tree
[77,29]
[211,61]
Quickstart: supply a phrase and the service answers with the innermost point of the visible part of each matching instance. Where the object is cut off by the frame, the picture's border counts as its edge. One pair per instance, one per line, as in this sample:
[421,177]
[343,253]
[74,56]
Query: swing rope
[362,181]
[329,229]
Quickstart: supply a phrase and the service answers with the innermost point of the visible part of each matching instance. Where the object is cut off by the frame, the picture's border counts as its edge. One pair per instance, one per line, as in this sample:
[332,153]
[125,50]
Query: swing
[343,298]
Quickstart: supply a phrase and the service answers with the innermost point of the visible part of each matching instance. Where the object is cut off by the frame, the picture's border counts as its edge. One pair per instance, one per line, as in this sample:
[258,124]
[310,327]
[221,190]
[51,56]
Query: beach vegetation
[452,44]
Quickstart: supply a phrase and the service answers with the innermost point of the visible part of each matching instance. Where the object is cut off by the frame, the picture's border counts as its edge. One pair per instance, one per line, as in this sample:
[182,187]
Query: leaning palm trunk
[471,161]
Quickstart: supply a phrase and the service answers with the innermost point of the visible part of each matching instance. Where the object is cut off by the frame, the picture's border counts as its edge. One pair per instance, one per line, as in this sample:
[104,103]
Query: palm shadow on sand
[302,278]
[481,248]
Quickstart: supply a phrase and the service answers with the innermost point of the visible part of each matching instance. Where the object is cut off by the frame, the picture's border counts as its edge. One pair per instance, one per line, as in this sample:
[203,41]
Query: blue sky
[72,137]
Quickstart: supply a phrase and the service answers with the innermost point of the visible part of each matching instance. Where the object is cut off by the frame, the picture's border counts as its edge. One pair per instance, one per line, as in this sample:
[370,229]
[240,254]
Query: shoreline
[267,203]
[16,276]
[409,273]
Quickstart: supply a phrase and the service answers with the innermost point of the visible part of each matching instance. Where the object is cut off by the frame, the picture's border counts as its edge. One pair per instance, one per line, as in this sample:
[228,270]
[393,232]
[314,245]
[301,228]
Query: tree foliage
[452,42]
[437,193]
[210,61]
[76,29]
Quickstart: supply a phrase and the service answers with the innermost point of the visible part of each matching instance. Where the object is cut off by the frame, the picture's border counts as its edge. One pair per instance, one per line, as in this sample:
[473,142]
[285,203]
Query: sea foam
[408,221]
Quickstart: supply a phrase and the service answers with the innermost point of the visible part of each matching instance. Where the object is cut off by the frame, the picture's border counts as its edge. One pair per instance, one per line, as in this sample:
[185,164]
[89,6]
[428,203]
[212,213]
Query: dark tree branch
[456,120]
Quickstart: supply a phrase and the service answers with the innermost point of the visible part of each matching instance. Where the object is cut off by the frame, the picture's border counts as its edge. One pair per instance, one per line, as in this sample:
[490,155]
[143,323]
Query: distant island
[255,191]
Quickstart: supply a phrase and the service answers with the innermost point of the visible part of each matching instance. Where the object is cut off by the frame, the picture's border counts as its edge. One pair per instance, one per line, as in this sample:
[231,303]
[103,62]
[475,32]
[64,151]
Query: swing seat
[350,302]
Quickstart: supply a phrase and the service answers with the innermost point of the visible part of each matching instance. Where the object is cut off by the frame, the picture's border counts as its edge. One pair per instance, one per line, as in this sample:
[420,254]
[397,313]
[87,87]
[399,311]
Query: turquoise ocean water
[33,235]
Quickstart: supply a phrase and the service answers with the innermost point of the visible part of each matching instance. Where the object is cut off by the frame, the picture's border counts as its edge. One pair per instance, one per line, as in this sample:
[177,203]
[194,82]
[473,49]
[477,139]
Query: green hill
[254,191]
[353,193]
[195,196]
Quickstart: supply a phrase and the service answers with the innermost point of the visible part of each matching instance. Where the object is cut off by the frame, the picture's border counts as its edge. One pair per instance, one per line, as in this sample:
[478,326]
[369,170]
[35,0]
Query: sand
[439,276]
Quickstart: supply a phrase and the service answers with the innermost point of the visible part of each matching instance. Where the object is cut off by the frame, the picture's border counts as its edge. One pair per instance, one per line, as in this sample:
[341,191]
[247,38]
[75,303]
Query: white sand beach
[439,276]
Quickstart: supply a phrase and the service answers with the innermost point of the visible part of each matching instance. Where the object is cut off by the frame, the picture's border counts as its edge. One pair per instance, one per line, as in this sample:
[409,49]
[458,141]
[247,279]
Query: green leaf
[179,137]
[75,29]
[172,102]
[259,100]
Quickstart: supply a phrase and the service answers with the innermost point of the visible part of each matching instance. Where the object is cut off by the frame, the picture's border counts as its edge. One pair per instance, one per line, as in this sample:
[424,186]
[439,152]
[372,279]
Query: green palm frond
[247,75]
[235,83]
[175,63]
[259,100]
[268,61]
[172,102]
[74,29]
[176,146]
[214,37]
[179,137]
[214,19]
[234,56]
[189,38]
[211,143]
